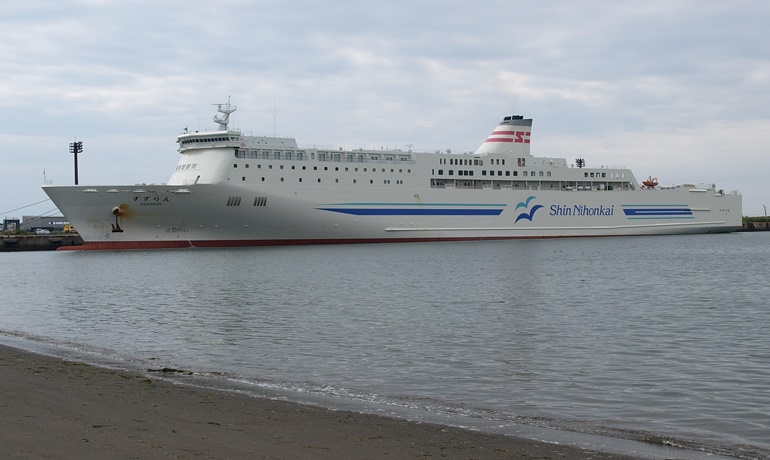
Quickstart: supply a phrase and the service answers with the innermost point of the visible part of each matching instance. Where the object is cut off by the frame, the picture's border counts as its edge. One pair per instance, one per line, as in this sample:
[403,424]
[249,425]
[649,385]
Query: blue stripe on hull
[648,212]
[425,205]
[662,217]
[414,212]
[657,211]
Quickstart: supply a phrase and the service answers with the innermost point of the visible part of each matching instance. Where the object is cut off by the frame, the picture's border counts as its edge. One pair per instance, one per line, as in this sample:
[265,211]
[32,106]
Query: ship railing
[273,135]
[335,158]
[391,161]
[613,167]
[204,131]
[580,186]
[349,149]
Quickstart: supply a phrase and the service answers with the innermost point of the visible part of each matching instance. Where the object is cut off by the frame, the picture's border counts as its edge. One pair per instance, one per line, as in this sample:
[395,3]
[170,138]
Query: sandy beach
[52,408]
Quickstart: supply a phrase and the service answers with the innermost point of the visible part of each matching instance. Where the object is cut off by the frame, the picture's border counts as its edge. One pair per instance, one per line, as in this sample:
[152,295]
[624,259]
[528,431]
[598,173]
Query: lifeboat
[651,182]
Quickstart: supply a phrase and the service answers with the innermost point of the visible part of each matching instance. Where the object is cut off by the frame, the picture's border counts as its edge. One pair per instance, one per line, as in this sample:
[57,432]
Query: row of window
[604,174]
[268,154]
[475,161]
[440,172]
[473,184]
[336,181]
[528,184]
[322,156]
[200,140]
[484,172]
[326,168]
[524,173]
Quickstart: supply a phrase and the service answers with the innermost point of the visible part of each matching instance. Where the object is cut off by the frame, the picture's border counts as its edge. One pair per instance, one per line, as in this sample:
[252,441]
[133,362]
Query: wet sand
[52,408]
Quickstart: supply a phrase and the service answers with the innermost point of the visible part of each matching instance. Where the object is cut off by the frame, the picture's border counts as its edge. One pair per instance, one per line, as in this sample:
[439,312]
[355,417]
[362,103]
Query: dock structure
[755,226]
[11,243]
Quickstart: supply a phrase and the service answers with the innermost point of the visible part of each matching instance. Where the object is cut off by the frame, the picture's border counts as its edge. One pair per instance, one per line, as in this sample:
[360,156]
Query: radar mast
[225,110]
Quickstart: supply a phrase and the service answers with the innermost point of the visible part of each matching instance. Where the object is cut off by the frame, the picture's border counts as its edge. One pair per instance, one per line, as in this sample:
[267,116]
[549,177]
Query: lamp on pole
[75,148]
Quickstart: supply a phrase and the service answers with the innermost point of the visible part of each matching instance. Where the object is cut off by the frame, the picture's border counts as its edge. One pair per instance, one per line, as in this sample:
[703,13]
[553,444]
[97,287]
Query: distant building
[50,223]
[11,224]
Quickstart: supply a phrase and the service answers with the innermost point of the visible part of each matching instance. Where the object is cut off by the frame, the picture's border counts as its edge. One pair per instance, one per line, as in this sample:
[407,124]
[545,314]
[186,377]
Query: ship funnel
[225,110]
[511,136]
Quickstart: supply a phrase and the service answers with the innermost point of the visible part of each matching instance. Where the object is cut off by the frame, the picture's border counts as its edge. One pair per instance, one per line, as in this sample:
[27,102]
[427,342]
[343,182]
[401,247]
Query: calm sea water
[663,339]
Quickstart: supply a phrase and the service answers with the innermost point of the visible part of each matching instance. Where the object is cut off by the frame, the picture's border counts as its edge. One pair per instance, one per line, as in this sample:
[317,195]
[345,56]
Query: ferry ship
[232,189]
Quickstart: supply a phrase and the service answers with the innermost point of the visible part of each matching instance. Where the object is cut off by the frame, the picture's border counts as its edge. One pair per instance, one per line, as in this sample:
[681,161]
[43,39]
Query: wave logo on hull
[528,212]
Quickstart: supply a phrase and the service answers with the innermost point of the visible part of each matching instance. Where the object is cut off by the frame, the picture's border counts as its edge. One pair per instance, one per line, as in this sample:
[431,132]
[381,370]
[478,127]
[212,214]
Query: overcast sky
[674,89]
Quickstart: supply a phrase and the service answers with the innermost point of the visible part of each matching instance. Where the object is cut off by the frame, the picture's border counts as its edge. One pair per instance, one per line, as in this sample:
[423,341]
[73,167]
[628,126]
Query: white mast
[225,110]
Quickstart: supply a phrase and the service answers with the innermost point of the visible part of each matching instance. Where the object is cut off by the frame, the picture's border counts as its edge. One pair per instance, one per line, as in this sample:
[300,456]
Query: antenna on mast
[226,111]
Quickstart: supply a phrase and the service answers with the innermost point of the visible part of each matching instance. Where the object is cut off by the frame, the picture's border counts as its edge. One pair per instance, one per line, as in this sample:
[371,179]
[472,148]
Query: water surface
[656,338]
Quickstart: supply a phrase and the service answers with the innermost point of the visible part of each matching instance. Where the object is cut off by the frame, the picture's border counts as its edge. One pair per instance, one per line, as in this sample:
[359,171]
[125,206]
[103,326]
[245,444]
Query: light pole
[75,148]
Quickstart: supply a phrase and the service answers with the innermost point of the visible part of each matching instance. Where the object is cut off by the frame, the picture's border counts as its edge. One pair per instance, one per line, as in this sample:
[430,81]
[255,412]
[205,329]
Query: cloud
[680,84]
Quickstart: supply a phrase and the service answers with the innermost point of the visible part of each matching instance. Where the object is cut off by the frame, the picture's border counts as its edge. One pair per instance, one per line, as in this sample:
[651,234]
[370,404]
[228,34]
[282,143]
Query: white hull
[158,217]
[234,190]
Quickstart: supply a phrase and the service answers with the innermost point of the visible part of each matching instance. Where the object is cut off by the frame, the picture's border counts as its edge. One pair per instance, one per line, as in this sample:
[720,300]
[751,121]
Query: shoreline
[53,407]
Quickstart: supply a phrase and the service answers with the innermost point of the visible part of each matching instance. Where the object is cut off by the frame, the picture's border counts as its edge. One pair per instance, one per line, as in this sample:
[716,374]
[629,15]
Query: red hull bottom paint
[101,246]
[98,246]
